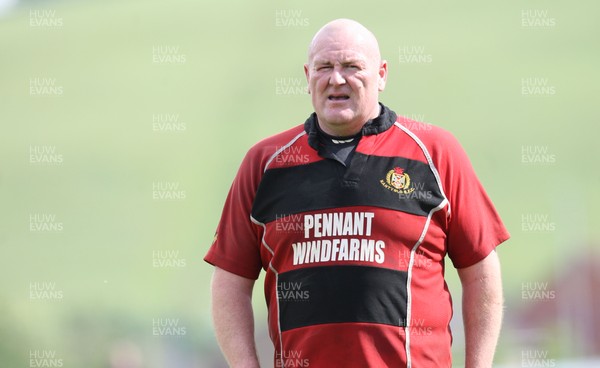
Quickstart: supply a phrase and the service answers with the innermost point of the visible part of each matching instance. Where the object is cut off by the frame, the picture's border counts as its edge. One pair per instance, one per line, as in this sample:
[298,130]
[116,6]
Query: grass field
[124,122]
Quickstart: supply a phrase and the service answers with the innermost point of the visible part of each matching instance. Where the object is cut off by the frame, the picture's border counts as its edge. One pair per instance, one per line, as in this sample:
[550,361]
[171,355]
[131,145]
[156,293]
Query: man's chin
[339,121]
[340,124]
[341,117]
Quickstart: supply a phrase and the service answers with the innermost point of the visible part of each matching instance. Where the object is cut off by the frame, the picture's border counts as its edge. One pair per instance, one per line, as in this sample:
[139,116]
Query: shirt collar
[377,125]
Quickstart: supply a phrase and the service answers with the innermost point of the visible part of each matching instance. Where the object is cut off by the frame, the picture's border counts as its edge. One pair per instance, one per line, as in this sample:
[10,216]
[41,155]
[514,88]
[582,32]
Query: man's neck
[347,129]
[342,131]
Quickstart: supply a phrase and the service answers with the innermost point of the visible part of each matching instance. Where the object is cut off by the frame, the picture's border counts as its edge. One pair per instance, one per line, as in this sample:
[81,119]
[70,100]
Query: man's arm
[482,310]
[233,318]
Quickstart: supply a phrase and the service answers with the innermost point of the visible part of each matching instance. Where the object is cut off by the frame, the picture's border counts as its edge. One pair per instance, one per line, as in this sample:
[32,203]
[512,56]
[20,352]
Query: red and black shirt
[354,253]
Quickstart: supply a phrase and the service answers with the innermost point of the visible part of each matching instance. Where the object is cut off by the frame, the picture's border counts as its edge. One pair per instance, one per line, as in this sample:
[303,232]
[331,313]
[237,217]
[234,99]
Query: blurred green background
[124,122]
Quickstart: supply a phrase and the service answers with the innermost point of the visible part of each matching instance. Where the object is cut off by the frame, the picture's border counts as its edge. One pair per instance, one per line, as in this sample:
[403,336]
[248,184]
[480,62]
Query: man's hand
[233,318]
[482,310]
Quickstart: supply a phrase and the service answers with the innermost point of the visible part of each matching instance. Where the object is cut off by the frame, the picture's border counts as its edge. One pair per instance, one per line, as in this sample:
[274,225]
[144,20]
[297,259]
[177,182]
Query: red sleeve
[474,226]
[236,246]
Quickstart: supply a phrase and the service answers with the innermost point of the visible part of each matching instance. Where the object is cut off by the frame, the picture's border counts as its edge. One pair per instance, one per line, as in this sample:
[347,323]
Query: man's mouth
[339,97]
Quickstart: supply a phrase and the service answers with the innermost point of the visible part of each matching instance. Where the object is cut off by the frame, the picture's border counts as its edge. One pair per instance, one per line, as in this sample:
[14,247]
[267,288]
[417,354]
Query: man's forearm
[482,311]
[234,319]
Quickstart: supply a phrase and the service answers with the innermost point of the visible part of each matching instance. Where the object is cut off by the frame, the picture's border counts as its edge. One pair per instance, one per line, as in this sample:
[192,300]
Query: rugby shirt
[354,256]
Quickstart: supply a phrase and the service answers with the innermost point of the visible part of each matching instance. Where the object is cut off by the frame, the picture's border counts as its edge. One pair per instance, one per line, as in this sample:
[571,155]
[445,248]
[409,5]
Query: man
[351,215]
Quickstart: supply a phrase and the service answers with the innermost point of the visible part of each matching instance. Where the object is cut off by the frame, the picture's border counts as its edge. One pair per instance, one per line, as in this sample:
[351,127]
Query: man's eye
[324,67]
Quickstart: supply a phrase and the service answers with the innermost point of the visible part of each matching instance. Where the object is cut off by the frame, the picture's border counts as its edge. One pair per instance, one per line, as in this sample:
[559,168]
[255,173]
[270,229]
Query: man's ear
[383,72]
[306,73]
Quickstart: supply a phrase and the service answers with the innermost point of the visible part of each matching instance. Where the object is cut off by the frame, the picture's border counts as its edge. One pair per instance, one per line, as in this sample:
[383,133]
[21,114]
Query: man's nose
[336,77]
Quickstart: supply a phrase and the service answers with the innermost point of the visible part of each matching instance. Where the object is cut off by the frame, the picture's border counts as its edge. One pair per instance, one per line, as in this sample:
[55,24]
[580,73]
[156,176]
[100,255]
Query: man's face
[344,76]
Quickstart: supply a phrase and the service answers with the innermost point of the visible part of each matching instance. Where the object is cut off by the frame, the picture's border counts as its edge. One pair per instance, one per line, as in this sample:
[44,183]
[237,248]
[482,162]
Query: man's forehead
[330,57]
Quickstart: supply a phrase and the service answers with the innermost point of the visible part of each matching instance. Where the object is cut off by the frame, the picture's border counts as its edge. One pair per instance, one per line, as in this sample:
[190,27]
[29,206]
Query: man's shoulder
[281,138]
[268,146]
[432,136]
[440,144]
[422,129]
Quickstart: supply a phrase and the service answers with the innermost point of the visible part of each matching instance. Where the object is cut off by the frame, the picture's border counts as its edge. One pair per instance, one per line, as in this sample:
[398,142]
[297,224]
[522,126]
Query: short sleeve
[474,226]
[236,246]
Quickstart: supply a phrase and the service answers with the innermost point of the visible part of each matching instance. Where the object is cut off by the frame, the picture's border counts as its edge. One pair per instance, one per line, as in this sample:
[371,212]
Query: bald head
[345,30]
[345,74]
